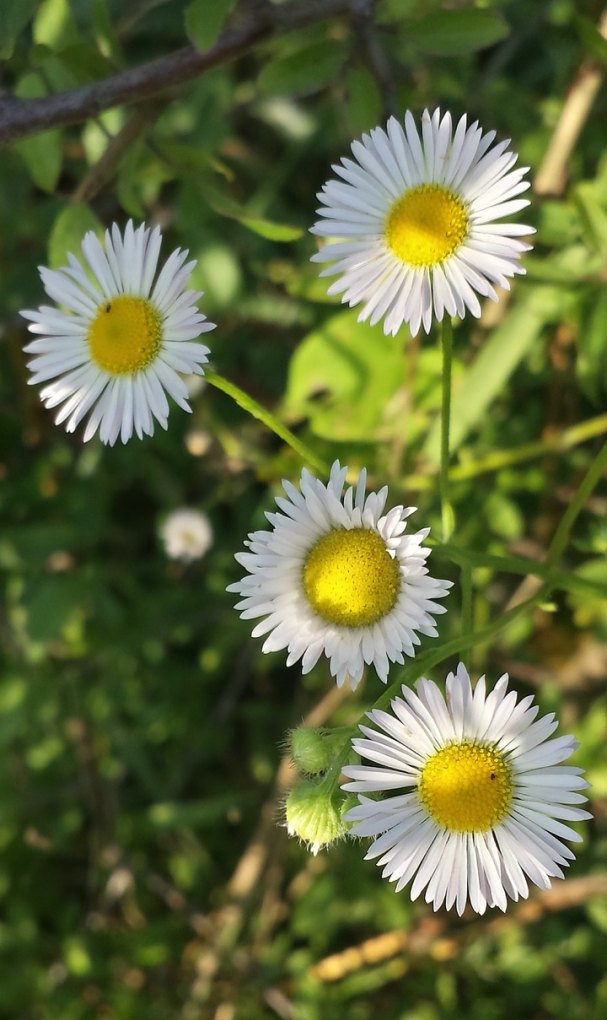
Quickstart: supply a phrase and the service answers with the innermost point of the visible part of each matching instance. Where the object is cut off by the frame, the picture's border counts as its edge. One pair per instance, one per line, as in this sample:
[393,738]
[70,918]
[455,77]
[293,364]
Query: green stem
[425,662]
[559,579]
[466,590]
[562,533]
[249,404]
[497,459]
[447,349]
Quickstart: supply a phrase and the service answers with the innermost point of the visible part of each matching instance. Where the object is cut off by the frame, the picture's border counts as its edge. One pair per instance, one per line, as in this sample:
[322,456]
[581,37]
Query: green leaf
[271,231]
[204,20]
[591,38]
[52,604]
[42,153]
[225,206]
[363,100]
[501,354]
[68,231]
[307,69]
[591,365]
[451,33]
[342,377]
[588,198]
[14,16]
[54,25]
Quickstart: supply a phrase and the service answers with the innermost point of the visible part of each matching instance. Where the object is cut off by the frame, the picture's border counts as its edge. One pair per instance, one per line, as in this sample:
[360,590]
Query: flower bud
[313,750]
[314,815]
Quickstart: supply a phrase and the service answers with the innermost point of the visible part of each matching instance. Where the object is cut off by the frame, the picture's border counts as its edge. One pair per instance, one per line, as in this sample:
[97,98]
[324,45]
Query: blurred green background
[143,868]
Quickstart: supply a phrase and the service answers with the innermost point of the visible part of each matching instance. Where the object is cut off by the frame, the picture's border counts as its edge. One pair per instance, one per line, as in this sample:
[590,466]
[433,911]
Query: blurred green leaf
[271,231]
[43,152]
[363,100]
[14,16]
[225,206]
[51,605]
[68,232]
[455,32]
[54,25]
[195,813]
[595,43]
[591,364]
[502,352]
[304,70]
[503,516]
[204,21]
[593,214]
[342,377]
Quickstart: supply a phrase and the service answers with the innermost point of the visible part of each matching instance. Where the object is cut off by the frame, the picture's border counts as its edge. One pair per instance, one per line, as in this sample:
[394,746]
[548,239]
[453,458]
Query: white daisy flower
[335,575]
[186,534]
[121,336]
[485,801]
[418,221]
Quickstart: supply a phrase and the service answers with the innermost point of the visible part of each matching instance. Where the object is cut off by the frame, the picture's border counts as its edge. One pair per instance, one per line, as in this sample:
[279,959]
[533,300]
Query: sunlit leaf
[68,232]
[342,377]
[502,352]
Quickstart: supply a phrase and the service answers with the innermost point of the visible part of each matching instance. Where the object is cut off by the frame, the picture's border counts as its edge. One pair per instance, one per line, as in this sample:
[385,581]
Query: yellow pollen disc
[466,787]
[125,335]
[350,578]
[426,225]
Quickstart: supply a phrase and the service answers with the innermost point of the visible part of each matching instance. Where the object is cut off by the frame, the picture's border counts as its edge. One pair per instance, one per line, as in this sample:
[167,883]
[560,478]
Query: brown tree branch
[21,117]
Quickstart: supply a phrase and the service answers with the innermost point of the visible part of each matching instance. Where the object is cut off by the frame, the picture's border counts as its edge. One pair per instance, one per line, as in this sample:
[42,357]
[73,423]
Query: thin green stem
[559,579]
[425,662]
[433,656]
[498,459]
[465,580]
[447,349]
[562,533]
[255,409]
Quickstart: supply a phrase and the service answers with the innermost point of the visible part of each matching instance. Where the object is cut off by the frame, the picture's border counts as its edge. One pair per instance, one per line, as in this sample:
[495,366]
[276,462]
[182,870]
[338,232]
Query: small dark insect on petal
[108,307]
[492,776]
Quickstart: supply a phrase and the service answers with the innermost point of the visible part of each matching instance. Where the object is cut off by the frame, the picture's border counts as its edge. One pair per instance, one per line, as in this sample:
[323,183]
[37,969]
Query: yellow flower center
[426,225]
[466,787]
[125,335]
[350,578]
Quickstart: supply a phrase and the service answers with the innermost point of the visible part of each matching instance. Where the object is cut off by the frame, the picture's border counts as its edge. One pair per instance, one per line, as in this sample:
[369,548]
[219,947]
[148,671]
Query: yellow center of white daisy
[466,787]
[350,578]
[426,225]
[125,335]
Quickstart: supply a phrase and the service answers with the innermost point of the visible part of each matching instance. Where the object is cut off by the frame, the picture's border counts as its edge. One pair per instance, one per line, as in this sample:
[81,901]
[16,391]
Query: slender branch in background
[249,871]
[103,170]
[420,938]
[22,117]
[551,177]
[375,58]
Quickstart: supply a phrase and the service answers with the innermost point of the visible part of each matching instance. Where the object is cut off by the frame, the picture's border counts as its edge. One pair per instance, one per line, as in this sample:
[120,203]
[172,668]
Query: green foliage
[14,16]
[72,223]
[451,33]
[342,377]
[204,20]
[145,870]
